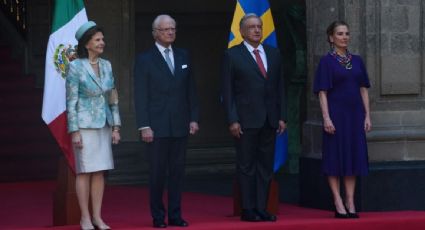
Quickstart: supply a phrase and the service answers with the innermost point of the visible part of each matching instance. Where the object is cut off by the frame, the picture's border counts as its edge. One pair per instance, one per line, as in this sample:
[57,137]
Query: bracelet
[115,129]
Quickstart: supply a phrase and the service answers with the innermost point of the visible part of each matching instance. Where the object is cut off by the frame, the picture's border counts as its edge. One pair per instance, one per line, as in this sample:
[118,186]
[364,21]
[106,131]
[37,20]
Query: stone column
[388,34]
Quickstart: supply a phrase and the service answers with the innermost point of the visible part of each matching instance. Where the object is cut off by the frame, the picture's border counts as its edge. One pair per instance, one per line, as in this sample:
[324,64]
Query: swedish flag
[262,9]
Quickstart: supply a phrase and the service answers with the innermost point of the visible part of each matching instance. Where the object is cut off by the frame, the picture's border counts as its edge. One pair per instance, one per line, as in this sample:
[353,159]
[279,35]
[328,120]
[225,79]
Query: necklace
[95,62]
[345,61]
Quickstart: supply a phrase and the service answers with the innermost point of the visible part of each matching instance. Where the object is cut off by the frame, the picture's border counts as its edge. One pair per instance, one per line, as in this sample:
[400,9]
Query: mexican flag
[68,16]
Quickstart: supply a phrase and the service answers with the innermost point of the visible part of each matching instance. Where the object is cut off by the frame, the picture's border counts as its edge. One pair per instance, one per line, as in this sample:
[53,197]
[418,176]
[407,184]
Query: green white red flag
[68,16]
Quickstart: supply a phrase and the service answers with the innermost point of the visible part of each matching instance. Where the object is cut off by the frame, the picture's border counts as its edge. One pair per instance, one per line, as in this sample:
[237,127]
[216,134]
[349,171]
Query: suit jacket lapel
[269,60]
[250,59]
[159,60]
[177,62]
[89,69]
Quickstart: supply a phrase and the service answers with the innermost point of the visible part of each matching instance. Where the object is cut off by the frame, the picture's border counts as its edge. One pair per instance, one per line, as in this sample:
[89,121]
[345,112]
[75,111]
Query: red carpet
[29,205]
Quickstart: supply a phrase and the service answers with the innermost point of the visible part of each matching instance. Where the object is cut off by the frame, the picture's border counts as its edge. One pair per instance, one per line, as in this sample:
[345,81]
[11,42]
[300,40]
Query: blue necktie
[168,60]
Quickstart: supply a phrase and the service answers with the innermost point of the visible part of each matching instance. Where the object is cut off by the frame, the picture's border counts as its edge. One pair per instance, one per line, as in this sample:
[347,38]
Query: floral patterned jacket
[87,96]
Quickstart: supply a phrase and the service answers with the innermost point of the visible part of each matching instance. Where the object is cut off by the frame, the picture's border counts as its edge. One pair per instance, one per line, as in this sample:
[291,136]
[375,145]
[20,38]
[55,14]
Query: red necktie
[260,63]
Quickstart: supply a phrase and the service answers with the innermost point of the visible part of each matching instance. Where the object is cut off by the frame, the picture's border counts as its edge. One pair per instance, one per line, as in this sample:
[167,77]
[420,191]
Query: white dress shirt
[162,50]
[260,51]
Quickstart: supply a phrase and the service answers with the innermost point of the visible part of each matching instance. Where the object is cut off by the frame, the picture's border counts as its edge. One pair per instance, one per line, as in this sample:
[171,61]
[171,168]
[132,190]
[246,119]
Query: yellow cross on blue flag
[262,9]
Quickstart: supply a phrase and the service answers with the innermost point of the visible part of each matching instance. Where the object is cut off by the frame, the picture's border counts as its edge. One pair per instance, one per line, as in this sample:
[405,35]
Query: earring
[332,46]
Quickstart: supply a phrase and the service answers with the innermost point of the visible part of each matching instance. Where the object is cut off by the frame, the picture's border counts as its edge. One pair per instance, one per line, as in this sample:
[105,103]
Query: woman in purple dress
[341,82]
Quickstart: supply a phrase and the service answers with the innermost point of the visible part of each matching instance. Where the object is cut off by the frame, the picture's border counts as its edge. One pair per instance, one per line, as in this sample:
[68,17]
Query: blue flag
[281,150]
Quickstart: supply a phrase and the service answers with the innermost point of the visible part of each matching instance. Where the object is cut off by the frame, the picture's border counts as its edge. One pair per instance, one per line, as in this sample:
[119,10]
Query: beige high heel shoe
[103,227]
[88,227]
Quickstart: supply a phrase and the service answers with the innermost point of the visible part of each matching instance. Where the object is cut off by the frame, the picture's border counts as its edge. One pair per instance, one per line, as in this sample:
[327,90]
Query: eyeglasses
[162,30]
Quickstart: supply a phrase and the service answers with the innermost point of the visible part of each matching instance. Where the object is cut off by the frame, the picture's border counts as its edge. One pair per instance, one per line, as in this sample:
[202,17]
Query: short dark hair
[82,52]
[331,28]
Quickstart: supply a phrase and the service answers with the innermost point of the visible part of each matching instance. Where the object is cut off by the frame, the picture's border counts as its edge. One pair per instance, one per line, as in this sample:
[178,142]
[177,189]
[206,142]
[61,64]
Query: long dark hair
[331,29]
[82,52]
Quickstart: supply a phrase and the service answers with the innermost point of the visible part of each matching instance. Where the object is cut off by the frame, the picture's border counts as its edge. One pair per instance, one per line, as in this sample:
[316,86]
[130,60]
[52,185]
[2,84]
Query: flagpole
[65,203]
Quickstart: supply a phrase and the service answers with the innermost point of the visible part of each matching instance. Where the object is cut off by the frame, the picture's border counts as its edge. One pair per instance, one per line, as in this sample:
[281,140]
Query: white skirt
[96,154]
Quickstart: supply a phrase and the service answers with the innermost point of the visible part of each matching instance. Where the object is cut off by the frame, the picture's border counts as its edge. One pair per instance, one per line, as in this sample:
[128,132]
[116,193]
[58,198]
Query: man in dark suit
[166,113]
[253,100]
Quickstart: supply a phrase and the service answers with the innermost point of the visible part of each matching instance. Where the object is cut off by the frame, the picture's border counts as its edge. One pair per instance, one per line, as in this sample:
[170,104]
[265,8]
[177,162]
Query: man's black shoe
[250,216]
[159,224]
[178,222]
[265,216]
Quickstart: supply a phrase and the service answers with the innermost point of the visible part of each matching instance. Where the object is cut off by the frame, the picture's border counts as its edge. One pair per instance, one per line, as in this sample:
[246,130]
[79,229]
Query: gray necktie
[168,60]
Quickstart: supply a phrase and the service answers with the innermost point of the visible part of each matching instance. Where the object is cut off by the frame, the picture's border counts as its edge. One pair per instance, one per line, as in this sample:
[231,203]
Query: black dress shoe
[250,216]
[178,222]
[266,216]
[159,224]
[341,215]
[353,215]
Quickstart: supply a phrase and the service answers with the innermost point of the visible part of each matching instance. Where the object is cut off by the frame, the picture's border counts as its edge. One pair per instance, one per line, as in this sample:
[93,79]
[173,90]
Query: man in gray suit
[166,113]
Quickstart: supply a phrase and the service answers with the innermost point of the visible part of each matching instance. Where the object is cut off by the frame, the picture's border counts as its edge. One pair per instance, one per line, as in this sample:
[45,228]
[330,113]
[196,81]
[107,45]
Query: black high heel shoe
[352,215]
[341,215]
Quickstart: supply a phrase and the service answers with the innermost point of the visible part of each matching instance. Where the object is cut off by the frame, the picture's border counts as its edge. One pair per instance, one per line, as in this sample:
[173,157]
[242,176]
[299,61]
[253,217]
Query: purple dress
[345,152]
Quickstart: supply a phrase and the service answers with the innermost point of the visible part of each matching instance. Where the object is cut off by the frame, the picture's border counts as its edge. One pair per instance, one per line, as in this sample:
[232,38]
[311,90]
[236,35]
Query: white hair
[159,18]
[248,16]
